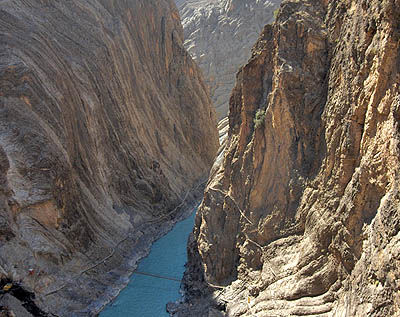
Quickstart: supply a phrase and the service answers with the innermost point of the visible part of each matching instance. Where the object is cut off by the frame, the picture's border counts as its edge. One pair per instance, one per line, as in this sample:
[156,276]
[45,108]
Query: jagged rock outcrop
[219,35]
[105,126]
[303,218]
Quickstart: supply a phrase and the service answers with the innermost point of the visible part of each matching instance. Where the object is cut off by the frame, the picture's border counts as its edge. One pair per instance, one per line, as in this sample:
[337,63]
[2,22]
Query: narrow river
[147,296]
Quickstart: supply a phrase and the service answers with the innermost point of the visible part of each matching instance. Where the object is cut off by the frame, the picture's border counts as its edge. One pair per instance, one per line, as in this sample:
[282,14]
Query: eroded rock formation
[302,218]
[219,35]
[105,125]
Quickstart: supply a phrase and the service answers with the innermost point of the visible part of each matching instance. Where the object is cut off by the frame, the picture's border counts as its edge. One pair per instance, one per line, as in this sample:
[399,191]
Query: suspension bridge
[158,276]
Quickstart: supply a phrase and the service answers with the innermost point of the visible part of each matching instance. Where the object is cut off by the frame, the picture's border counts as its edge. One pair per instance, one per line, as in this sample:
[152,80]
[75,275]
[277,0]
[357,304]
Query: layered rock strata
[302,217]
[219,35]
[106,132]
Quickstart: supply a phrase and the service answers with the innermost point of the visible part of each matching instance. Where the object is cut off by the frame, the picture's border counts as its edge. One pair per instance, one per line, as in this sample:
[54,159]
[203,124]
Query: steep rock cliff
[303,218]
[219,35]
[105,126]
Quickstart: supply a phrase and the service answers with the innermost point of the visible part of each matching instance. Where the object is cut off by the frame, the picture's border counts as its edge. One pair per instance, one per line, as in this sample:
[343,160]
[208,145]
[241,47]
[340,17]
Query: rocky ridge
[219,35]
[106,134]
[302,218]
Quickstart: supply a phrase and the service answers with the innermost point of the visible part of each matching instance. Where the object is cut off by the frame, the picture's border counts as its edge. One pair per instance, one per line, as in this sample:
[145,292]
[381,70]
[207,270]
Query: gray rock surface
[106,132]
[17,309]
[219,35]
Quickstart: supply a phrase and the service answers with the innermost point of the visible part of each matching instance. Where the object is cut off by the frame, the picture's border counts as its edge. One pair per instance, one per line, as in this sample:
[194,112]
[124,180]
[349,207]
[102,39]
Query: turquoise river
[147,296]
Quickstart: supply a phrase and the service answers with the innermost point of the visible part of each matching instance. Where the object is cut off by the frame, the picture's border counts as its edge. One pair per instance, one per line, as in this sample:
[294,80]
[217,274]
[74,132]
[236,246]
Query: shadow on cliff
[26,298]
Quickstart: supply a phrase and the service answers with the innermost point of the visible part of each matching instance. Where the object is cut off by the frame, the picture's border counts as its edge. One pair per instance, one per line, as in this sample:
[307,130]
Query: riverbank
[153,233]
[112,270]
[157,279]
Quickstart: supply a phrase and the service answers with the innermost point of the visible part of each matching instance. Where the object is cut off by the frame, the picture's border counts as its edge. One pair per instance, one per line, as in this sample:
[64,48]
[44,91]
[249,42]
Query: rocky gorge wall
[219,35]
[106,133]
[302,217]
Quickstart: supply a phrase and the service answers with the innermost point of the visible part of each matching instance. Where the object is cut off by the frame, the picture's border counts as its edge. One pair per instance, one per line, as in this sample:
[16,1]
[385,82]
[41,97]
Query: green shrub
[259,118]
[276,13]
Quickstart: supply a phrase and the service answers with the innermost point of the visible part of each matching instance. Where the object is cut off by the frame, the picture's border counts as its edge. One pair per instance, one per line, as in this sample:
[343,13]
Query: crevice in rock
[26,298]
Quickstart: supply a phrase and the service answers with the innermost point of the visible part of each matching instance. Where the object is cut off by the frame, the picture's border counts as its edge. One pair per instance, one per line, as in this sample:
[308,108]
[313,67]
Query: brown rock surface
[302,218]
[105,125]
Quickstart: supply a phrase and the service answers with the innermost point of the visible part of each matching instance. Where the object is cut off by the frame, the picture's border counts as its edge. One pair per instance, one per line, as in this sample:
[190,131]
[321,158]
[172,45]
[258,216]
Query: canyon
[107,135]
[301,216]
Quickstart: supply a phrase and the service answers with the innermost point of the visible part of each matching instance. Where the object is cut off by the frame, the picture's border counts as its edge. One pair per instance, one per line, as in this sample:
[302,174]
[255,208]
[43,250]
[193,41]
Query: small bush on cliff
[259,118]
[276,13]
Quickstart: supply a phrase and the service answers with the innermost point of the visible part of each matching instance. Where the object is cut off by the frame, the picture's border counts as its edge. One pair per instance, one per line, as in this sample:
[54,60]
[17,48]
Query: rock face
[219,35]
[105,126]
[303,216]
